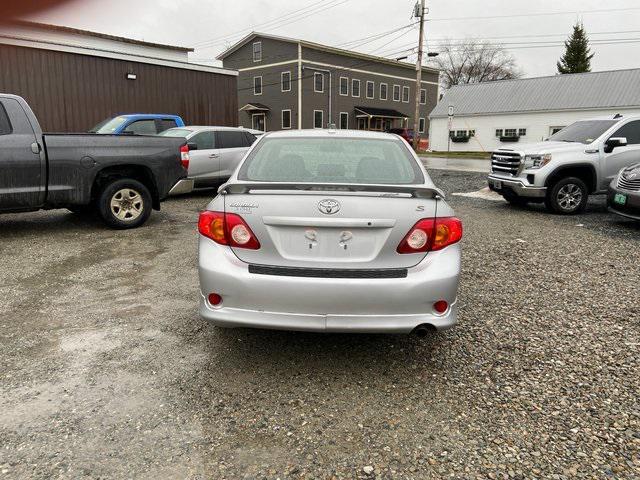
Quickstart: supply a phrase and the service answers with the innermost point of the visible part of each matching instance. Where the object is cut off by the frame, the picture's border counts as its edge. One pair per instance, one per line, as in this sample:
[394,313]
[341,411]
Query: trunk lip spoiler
[421,190]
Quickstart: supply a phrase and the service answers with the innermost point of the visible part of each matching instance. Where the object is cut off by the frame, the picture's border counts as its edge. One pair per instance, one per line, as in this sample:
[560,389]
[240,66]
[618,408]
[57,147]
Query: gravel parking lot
[108,371]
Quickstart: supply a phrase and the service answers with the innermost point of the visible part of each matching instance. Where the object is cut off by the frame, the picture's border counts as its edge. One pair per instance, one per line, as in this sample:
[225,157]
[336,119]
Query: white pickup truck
[562,171]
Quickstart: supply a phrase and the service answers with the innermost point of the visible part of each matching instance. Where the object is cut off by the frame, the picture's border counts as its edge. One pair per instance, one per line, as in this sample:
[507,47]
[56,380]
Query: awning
[378,112]
[249,107]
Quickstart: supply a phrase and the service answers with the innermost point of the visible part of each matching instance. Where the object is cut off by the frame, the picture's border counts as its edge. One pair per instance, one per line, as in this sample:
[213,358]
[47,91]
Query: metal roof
[579,91]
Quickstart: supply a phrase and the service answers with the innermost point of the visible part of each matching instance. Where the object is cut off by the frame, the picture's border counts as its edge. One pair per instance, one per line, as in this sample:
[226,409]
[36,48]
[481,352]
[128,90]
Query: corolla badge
[329,206]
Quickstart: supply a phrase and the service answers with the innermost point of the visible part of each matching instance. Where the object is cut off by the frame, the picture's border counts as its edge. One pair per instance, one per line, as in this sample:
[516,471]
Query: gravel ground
[108,372]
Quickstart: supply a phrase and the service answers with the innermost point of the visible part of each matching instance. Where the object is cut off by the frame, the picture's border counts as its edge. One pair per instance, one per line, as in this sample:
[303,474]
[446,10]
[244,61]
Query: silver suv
[562,171]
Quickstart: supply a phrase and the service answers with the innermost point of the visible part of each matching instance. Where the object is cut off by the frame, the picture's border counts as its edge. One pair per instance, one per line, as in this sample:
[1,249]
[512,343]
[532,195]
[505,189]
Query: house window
[461,133]
[405,94]
[510,132]
[355,87]
[522,132]
[371,88]
[423,96]
[344,120]
[396,93]
[344,86]
[498,132]
[472,133]
[318,82]
[285,80]
[257,85]
[383,91]
[318,118]
[286,118]
[257,51]
[421,124]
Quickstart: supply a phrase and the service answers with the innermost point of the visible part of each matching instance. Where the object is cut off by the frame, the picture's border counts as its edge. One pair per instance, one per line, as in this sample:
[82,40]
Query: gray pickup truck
[580,160]
[121,177]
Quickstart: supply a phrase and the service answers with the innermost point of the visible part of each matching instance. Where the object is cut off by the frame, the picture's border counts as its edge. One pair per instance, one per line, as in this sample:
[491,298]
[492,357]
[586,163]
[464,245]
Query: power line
[274,20]
[564,34]
[603,10]
[353,43]
[402,34]
[293,19]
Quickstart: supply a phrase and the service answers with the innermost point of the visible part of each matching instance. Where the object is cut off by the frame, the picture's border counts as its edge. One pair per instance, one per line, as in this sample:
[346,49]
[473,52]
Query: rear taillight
[227,229]
[184,156]
[431,234]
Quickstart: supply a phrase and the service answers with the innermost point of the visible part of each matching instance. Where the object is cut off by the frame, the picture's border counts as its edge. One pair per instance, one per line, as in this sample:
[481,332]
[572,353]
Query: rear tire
[567,196]
[514,199]
[124,203]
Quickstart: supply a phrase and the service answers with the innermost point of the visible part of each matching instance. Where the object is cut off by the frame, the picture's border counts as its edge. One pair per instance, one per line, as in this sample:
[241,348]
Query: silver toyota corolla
[330,230]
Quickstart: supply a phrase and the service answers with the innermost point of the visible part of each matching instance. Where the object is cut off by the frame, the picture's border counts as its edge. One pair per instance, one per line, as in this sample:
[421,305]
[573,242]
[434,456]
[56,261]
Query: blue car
[138,124]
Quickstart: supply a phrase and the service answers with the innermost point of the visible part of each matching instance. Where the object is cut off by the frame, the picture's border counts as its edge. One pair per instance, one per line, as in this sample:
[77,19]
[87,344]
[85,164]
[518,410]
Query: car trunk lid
[330,226]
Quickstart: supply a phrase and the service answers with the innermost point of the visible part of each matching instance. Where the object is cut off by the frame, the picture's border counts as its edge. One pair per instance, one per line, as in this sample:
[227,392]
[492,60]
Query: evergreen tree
[577,56]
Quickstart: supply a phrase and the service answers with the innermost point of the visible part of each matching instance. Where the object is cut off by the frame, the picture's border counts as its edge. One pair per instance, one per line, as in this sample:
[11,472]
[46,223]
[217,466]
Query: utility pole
[416,118]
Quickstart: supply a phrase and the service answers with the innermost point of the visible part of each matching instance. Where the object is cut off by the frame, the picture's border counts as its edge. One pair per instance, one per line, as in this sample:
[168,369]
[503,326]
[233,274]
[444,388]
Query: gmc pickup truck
[121,177]
[562,171]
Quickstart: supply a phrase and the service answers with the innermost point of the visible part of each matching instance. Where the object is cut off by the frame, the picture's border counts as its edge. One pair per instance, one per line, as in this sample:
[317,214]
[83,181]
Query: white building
[491,115]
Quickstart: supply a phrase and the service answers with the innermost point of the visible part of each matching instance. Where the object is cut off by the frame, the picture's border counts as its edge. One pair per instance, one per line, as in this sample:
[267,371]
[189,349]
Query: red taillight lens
[227,229]
[184,156]
[431,234]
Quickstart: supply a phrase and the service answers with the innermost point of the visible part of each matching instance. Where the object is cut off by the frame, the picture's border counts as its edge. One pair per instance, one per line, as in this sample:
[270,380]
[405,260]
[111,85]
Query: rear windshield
[331,160]
[583,132]
[109,125]
[175,132]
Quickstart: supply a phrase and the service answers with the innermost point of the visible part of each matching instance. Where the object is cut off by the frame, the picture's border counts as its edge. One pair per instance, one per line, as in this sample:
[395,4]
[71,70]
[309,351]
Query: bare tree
[472,61]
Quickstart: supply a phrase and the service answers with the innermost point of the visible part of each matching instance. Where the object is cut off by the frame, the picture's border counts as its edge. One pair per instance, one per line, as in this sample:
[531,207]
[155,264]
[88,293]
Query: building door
[258,121]
[362,124]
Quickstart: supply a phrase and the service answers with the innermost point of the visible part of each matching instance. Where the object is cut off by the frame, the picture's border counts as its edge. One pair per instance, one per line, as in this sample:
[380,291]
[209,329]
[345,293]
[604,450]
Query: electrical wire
[296,18]
[576,12]
[274,20]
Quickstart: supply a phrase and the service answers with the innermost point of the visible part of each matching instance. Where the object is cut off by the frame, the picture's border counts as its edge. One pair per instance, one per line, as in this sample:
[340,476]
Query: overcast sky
[214,24]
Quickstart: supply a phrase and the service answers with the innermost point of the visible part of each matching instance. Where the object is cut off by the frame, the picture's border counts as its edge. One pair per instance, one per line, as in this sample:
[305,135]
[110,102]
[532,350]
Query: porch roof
[379,112]
[249,107]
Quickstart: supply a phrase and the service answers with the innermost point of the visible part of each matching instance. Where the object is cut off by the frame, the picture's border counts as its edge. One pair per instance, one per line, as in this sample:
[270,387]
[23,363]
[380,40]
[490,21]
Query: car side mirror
[614,142]
[192,146]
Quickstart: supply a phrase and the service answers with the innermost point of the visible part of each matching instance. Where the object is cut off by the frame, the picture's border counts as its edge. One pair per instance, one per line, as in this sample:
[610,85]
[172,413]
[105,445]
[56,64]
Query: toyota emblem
[329,206]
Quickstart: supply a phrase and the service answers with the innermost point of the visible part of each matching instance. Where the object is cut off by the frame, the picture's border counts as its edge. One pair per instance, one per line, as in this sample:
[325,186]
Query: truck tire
[514,199]
[567,196]
[124,203]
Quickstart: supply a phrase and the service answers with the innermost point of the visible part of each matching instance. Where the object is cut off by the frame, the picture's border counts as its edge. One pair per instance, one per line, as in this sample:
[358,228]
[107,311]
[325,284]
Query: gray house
[287,83]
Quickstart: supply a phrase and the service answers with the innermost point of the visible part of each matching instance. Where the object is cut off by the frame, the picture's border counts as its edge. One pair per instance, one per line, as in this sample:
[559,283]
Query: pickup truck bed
[76,171]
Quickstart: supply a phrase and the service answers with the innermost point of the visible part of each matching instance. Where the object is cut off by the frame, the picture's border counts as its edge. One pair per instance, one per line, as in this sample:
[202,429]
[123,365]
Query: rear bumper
[182,186]
[396,305]
[519,187]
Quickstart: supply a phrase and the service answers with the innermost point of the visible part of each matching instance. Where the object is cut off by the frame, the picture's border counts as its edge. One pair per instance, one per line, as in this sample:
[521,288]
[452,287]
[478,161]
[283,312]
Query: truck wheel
[514,199]
[124,203]
[567,196]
